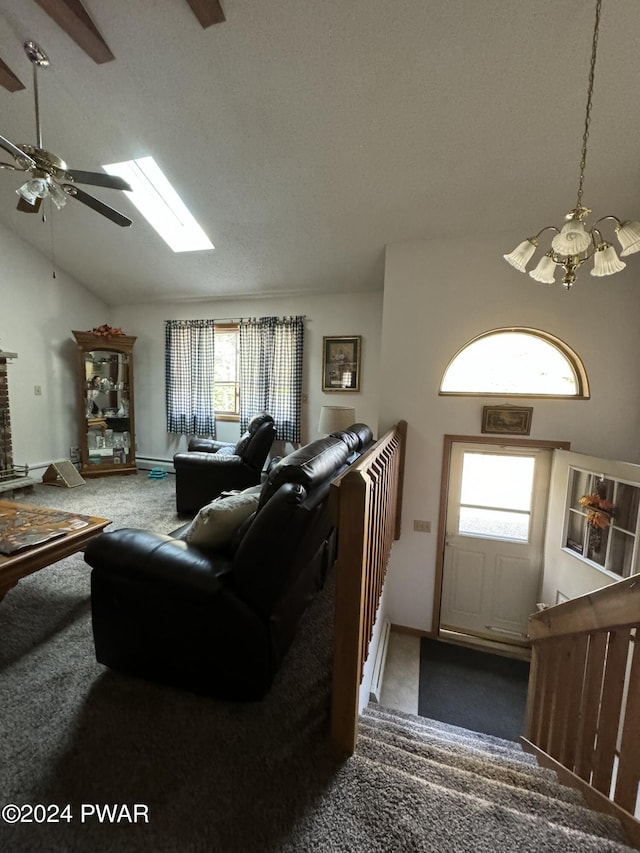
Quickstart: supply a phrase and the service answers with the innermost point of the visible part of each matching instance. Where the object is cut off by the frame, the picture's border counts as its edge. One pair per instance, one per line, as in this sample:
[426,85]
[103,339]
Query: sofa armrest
[168,564]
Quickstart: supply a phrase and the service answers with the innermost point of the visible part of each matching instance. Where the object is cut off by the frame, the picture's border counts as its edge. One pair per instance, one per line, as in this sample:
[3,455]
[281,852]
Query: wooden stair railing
[366,505]
[583,708]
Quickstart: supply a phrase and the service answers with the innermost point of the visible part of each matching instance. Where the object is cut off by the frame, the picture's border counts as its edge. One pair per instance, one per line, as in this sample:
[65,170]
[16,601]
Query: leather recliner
[208,467]
[219,622]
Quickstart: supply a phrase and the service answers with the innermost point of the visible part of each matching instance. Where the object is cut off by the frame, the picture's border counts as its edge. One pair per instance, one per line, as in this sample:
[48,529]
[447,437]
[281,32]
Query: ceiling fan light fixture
[50,177]
[33,189]
[57,195]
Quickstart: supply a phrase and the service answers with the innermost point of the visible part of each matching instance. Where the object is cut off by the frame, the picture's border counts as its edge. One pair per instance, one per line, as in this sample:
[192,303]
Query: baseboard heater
[145,463]
[378,666]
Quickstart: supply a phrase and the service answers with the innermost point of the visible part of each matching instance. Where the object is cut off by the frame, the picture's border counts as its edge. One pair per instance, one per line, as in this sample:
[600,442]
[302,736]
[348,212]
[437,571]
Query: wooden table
[59,533]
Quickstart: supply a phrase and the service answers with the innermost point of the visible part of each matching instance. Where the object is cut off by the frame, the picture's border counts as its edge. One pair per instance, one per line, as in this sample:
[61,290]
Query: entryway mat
[473,689]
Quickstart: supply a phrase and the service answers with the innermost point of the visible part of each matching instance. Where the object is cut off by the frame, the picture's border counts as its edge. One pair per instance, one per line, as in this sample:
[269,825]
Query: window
[495,496]
[234,371]
[226,384]
[601,523]
[516,361]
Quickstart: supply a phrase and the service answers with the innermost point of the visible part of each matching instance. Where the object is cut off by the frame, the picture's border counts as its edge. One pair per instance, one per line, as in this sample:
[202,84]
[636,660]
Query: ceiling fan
[49,176]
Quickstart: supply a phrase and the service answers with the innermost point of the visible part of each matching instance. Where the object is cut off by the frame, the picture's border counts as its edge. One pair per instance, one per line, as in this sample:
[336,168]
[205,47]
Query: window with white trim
[602,521]
[226,377]
[516,361]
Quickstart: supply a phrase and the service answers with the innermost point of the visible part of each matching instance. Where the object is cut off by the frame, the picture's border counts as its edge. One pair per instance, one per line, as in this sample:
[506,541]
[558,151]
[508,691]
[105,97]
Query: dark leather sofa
[219,623]
[209,467]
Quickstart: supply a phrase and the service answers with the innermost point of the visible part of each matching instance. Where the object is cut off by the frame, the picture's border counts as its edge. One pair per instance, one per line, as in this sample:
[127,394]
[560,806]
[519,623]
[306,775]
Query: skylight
[161,205]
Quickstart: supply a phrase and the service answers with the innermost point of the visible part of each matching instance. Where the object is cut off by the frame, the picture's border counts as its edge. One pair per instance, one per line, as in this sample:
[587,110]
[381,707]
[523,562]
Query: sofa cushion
[215,524]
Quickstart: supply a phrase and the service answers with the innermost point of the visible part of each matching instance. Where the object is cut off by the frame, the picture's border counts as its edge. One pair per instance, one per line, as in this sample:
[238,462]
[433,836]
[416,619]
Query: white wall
[333,314]
[438,295]
[37,314]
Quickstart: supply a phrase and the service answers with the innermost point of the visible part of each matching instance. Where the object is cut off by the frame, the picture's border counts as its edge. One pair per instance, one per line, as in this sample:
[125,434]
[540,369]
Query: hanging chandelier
[574,243]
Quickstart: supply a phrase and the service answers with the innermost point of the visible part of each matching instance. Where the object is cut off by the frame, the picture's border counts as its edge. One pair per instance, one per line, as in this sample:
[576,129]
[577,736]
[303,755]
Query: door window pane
[495,495]
[497,481]
[494,524]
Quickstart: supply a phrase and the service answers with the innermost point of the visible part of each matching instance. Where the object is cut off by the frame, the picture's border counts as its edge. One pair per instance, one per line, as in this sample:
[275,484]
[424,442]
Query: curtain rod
[237,319]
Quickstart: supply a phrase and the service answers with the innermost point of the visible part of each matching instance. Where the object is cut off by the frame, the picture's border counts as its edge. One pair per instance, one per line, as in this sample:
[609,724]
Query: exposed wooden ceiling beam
[8,79]
[73,18]
[208,12]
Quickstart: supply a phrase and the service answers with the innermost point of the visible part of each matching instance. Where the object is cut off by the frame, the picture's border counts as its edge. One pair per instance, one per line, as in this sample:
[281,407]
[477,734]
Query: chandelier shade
[575,243]
[628,234]
[545,272]
[605,261]
[522,254]
[572,239]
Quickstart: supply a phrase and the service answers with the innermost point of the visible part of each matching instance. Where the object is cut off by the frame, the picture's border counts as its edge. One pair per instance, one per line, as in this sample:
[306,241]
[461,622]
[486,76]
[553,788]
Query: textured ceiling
[305,135]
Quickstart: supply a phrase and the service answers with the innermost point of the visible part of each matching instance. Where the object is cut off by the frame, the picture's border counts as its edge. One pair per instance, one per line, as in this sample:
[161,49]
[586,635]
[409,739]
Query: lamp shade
[334,418]
[606,262]
[522,254]
[572,239]
[629,237]
[545,271]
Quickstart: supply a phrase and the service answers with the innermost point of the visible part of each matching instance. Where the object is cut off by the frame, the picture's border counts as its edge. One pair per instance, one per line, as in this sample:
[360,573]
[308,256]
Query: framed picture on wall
[341,363]
[510,420]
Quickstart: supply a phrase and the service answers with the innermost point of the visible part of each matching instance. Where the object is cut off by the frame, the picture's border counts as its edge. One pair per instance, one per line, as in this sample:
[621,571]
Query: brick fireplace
[12,477]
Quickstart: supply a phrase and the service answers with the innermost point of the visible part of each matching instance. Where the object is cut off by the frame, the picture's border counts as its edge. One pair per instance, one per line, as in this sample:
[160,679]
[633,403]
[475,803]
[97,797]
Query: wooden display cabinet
[106,410]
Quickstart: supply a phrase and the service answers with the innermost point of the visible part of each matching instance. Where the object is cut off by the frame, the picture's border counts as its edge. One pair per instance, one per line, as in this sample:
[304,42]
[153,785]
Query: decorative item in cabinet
[106,405]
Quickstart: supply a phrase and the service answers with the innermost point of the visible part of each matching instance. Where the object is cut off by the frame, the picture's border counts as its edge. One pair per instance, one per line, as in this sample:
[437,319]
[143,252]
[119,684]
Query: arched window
[517,362]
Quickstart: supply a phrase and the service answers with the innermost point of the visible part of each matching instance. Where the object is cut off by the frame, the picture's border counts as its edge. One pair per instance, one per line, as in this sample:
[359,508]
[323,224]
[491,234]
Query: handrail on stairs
[583,706]
[366,504]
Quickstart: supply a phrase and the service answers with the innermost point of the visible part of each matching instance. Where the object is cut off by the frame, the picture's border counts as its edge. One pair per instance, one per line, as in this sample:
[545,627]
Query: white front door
[494,539]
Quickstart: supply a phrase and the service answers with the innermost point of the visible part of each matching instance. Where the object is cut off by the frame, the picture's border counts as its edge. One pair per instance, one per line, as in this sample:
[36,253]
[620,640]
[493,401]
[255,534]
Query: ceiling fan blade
[18,153]
[99,179]
[25,207]
[97,205]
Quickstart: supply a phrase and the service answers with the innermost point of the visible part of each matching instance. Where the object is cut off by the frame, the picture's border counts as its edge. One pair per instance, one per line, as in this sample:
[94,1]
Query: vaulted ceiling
[304,136]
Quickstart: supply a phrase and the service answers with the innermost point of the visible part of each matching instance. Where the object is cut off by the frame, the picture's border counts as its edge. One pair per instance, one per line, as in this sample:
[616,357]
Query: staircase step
[523,776]
[514,797]
[423,816]
[493,754]
[488,745]
[426,724]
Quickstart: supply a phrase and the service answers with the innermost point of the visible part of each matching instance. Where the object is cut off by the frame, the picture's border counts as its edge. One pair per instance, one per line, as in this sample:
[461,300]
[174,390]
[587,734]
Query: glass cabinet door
[107,444]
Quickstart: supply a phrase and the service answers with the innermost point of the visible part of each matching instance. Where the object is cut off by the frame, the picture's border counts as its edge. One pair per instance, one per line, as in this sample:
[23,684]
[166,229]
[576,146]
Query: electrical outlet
[422,526]
[37,390]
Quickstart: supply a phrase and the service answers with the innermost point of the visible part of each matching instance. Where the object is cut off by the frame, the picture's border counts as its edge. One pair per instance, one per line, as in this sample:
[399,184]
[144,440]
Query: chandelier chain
[587,118]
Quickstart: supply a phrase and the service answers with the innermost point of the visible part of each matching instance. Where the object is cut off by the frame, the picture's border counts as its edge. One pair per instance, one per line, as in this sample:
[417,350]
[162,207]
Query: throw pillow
[215,524]
[230,450]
